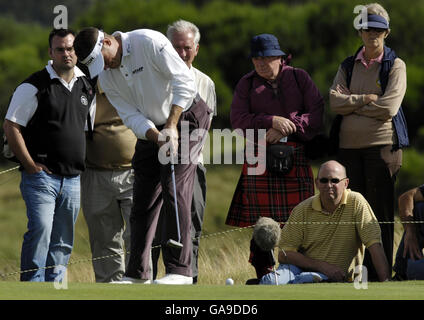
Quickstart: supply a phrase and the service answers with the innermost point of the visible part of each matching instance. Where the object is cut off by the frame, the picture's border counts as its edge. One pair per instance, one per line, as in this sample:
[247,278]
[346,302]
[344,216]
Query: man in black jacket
[45,126]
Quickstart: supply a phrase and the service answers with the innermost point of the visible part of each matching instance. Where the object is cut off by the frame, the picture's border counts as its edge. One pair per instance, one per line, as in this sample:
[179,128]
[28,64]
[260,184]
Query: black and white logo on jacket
[84,100]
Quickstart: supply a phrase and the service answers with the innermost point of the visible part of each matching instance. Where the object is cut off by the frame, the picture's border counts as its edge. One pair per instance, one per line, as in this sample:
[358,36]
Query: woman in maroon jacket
[286,103]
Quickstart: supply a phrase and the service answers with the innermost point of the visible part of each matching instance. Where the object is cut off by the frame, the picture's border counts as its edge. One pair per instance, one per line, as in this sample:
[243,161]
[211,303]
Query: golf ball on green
[229,282]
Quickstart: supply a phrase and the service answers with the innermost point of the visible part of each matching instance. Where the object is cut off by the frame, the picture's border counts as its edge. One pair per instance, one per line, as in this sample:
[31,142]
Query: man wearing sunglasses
[325,236]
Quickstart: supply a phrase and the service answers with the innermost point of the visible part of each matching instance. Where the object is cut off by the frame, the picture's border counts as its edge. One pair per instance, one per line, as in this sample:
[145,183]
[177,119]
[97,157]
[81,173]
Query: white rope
[8,170]
[212,235]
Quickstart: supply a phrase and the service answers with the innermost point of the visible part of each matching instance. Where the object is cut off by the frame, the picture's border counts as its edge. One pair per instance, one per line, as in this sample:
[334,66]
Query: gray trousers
[197,214]
[106,199]
[153,189]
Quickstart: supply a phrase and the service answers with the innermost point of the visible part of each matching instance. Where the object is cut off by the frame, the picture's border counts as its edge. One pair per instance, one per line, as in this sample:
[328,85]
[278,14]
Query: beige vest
[113,144]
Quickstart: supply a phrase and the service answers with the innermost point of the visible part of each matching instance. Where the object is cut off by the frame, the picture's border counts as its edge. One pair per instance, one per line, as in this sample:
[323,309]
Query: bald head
[332,165]
[331,182]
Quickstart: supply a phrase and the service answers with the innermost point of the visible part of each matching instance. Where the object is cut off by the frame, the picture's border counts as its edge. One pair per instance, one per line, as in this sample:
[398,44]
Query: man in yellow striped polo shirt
[325,236]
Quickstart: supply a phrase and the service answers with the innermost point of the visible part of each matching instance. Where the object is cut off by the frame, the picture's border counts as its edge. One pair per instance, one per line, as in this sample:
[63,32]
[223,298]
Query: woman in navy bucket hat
[286,103]
[366,95]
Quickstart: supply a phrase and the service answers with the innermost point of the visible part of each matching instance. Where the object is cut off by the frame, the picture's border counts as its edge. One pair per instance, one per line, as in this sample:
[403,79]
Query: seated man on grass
[325,236]
[409,264]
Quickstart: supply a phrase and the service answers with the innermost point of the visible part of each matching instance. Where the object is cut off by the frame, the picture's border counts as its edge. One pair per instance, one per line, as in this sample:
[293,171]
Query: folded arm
[342,101]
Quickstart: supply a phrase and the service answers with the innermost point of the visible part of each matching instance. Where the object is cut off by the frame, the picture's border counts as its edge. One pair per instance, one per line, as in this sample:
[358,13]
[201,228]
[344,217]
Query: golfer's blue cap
[265,45]
[376,21]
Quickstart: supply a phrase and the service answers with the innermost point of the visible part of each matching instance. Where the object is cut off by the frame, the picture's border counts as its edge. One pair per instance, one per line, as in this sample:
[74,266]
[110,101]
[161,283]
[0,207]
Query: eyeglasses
[378,30]
[333,180]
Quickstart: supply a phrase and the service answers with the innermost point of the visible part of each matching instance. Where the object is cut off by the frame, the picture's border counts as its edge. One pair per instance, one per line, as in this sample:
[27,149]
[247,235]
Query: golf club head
[174,244]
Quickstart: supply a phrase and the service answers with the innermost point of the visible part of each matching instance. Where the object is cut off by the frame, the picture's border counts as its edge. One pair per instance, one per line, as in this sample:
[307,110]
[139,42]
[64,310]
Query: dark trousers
[197,214]
[405,268]
[372,172]
[153,189]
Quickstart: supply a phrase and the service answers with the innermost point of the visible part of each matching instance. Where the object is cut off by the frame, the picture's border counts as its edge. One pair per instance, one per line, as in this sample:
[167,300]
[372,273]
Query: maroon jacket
[255,103]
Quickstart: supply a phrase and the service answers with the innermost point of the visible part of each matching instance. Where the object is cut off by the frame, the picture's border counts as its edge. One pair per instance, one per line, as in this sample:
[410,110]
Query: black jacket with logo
[55,134]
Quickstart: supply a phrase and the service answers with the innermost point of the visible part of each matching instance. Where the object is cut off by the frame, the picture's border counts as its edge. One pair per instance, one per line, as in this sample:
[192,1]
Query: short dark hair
[60,33]
[85,41]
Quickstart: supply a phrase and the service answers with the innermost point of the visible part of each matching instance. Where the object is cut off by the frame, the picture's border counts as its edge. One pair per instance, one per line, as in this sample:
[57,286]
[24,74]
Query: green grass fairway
[409,290]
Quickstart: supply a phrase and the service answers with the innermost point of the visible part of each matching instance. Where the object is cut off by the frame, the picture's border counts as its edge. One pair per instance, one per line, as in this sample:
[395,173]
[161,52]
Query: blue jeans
[290,274]
[415,269]
[52,203]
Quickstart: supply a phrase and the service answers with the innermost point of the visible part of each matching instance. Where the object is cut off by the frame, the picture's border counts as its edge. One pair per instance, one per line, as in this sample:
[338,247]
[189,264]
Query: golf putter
[173,243]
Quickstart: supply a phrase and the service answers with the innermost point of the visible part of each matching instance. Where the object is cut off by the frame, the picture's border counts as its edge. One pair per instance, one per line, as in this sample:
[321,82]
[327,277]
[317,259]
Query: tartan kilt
[268,195]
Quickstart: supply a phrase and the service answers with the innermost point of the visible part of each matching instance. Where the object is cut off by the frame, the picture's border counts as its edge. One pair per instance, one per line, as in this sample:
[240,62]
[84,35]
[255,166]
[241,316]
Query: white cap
[94,61]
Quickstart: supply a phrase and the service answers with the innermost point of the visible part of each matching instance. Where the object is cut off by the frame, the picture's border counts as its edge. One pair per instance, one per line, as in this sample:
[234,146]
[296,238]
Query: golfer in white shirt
[154,93]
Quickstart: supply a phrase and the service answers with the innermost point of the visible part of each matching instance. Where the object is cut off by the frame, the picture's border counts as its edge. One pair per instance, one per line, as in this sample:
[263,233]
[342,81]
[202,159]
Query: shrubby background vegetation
[318,33]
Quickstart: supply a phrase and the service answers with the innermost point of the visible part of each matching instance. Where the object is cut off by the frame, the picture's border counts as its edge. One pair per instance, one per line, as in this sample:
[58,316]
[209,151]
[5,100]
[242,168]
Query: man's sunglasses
[333,180]
[378,30]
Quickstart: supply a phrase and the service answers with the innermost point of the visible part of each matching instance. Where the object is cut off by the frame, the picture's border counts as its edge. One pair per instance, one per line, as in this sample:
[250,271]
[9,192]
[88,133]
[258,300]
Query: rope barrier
[212,235]
[8,170]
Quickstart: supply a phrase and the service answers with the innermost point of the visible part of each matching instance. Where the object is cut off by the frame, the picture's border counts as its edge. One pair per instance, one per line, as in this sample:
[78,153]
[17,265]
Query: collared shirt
[206,89]
[337,238]
[151,78]
[361,57]
[24,102]
[368,125]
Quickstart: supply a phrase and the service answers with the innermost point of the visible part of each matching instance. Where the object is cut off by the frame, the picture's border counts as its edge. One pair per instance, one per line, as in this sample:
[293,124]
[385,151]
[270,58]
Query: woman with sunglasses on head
[366,95]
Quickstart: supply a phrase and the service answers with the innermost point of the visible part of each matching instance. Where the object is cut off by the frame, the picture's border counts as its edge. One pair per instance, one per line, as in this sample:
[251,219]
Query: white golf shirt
[151,78]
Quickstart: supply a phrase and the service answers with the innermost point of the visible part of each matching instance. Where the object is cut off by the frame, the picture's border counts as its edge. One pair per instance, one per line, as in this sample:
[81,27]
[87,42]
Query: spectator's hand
[333,272]
[283,125]
[273,136]
[370,98]
[37,168]
[343,90]
[411,247]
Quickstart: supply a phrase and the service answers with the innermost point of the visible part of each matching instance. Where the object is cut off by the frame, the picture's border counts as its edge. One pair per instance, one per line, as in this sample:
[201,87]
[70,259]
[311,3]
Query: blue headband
[376,21]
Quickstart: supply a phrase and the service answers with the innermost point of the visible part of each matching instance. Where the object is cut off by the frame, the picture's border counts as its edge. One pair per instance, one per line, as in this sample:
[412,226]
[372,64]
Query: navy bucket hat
[265,45]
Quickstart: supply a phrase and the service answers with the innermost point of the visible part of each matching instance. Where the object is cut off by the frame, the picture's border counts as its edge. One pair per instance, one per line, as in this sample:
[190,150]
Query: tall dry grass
[224,251]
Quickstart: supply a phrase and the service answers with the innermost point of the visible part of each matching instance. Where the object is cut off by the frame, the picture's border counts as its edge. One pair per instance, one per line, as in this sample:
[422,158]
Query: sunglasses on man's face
[378,30]
[333,180]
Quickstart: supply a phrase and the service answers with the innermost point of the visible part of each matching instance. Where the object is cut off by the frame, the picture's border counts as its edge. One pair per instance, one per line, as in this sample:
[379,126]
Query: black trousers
[372,172]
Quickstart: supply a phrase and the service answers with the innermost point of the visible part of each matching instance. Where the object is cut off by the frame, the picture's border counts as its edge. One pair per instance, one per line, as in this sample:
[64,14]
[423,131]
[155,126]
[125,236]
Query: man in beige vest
[107,191]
